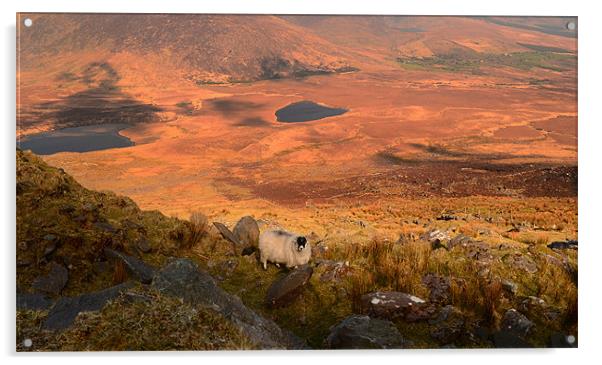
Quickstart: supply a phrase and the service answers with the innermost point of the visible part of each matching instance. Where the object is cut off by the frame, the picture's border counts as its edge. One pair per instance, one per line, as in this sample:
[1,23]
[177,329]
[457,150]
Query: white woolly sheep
[281,247]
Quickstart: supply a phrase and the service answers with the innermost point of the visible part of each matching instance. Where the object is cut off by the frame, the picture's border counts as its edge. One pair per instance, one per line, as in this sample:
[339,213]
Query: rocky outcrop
[392,305]
[285,290]
[52,283]
[363,332]
[182,278]
[64,312]
[517,323]
[135,267]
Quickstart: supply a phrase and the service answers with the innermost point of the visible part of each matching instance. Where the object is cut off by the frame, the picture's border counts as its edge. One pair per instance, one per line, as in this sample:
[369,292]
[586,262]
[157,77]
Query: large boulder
[363,332]
[183,279]
[392,305]
[64,312]
[52,283]
[135,267]
[285,290]
[247,231]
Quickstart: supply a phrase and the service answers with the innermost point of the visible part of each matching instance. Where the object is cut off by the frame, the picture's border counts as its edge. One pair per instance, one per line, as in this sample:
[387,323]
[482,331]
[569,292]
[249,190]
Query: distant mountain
[206,48]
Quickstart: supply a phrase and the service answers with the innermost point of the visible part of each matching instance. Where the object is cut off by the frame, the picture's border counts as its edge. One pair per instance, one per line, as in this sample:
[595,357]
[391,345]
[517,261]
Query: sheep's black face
[301,242]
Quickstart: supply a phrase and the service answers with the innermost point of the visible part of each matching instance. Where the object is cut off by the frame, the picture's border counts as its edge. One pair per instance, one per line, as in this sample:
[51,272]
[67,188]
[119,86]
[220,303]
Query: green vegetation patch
[473,62]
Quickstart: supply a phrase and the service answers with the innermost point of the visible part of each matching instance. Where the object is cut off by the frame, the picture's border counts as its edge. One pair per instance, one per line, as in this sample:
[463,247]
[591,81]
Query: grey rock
[563,245]
[64,312]
[229,236]
[448,325]
[437,238]
[438,286]
[459,240]
[391,305]
[285,290]
[135,267]
[363,332]
[521,262]
[334,271]
[52,283]
[516,322]
[247,231]
[510,287]
[182,278]
[30,301]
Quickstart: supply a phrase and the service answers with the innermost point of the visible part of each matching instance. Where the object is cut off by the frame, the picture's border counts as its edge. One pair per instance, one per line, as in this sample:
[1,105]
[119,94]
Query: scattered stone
[53,282]
[229,236]
[521,262]
[143,245]
[182,278]
[448,325]
[510,287]
[247,231]
[391,305]
[285,290]
[227,267]
[64,312]
[438,286]
[334,271]
[459,240]
[515,322]
[563,245]
[135,267]
[363,332]
[28,301]
[437,238]
[446,217]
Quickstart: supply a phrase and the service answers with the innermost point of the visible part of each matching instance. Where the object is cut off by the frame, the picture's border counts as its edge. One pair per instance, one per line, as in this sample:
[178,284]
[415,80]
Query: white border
[590,204]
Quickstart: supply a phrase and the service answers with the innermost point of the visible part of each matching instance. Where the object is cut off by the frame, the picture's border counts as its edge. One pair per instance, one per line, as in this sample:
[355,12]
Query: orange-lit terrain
[213,145]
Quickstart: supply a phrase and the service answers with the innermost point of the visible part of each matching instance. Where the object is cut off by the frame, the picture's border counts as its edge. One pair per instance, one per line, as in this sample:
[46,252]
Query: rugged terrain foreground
[94,272]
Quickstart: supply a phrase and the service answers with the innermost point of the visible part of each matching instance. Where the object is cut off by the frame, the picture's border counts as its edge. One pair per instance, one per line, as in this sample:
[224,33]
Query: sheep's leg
[265,264]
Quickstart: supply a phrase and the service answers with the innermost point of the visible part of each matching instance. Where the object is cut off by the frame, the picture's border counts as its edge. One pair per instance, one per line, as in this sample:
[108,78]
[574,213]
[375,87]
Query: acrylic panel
[209,182]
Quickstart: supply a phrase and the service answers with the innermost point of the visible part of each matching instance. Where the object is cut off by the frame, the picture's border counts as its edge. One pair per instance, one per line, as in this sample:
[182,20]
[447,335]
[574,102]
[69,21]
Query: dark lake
[77,139]
[305,111]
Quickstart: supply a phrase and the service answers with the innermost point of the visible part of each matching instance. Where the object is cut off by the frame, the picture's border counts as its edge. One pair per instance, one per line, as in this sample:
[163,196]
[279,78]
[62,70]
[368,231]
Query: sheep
[281,247]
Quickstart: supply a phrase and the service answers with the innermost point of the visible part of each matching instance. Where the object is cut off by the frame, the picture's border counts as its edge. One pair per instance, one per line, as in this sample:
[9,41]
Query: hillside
[94,272]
